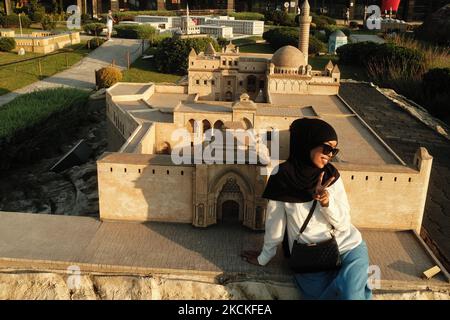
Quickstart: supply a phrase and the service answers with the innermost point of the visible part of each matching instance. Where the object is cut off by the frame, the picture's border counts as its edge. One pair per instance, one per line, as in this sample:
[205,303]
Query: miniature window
[205,82]
[197,81]
[224,62]
[229,83]
[235,63]
[230,63]
[213,82]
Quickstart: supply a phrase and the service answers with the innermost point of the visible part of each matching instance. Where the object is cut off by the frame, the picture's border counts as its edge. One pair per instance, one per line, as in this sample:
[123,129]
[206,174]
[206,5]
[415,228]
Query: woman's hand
[251,256]
[321,194]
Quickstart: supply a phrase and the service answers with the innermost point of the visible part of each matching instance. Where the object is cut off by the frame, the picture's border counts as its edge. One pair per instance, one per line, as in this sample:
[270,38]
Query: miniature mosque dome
[338,33]
[288,57]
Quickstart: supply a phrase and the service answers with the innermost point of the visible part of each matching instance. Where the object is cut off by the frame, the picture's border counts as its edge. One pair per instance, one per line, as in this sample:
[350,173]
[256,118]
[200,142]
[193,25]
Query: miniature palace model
[138,180]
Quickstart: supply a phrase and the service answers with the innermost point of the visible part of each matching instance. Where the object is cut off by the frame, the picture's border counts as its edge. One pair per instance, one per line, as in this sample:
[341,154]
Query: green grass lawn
[30,109]
[145,71]
[24,73]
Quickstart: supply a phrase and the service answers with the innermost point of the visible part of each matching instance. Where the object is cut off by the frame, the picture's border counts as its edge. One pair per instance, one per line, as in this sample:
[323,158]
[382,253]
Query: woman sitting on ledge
[308,176]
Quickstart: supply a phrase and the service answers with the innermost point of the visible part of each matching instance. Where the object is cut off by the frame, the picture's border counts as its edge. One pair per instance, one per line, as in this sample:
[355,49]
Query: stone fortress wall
[42,42]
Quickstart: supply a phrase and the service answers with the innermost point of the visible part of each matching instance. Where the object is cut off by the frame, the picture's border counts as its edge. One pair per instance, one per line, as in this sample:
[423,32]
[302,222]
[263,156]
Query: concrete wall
[134,191]
[44,43]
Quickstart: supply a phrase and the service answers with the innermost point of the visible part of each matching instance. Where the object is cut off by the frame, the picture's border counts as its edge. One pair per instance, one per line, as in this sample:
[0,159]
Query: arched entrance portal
[230,203]
[230,212]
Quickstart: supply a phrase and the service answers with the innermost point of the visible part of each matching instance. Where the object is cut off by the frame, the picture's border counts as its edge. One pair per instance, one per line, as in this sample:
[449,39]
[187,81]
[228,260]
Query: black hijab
[297,177]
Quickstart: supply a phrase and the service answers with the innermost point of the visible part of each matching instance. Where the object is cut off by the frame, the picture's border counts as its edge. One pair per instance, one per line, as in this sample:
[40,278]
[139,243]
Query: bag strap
[311,211]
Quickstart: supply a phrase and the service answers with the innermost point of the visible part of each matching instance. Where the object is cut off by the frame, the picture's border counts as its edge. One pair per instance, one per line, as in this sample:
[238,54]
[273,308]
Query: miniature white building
[337,39]
[217,31]
[252,27]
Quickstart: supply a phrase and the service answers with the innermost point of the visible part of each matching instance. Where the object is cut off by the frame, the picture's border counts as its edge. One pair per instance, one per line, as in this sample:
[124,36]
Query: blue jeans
[347,283]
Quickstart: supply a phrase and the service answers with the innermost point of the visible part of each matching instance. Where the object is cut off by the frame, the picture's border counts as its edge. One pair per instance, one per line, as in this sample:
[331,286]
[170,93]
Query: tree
[172,54]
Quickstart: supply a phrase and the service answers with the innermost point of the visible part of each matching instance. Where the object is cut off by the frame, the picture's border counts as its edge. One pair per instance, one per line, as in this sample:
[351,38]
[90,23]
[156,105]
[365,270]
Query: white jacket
[337,214]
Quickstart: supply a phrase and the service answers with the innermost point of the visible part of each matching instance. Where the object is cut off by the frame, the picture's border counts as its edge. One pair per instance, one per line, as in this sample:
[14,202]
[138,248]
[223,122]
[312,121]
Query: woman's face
[318,157]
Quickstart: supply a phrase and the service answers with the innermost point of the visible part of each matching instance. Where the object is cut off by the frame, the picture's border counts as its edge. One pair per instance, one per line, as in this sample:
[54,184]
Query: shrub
[321,21]
[135,31]
[172,54]
[85,18]
[107,76]
[38,15]
[94,43]
[7,44]
[412,59]
[280,18]
[48,23]
[94,28]
[356,53]
[329,29]
[316,46]
[247,16]
[436,90]
[353,24]
[221,41]
[280,37]
[12,21]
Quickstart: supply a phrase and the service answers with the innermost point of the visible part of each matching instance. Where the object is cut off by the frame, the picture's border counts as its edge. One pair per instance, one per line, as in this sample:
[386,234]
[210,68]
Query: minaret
[305,22]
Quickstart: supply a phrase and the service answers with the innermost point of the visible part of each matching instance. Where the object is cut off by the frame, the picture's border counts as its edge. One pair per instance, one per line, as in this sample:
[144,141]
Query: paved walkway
[82,75]
[366,37]
[41,241]
[405,134]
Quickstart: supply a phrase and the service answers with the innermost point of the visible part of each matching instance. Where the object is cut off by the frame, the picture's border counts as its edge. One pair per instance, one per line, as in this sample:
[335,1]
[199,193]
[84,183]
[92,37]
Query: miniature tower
[186,22]
[305,22]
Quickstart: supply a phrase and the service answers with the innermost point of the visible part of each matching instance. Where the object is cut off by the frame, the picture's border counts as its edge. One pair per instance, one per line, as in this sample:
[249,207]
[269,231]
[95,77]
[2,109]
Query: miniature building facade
[42,42]
[229,91]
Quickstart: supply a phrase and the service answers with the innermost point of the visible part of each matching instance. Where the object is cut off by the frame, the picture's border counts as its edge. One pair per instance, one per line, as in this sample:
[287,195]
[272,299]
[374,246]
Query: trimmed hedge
[280,37]
[172,54]
[94,29]
[107,76]
[94,43]
[280,18]
[356,53]
[321,21]
[247,16]
[135,31]
[7,44]
[316,46]
[48,23]
[129,15]
[12,21]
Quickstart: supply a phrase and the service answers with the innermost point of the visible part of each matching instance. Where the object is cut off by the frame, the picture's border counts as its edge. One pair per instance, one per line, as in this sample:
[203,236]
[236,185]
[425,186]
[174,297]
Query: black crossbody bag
[314,257]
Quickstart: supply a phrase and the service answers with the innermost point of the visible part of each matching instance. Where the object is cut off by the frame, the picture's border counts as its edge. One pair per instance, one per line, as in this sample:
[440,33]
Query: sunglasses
[327,149]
